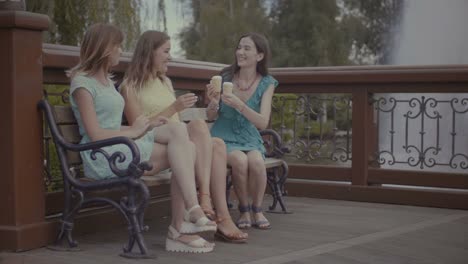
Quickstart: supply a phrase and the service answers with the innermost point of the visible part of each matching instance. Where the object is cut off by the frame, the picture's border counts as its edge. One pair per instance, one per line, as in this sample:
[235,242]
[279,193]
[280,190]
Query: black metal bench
[64,131]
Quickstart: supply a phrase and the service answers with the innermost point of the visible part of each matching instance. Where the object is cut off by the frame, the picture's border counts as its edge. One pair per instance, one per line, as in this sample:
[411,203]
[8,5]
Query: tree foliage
[301,32]
[71,18]
[307,33]
[370,26]
[217,26]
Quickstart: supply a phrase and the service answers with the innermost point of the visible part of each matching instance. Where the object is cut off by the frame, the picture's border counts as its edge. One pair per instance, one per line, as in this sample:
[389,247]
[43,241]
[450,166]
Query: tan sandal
[202,224]
[209,212]
[173,244]
[231,237]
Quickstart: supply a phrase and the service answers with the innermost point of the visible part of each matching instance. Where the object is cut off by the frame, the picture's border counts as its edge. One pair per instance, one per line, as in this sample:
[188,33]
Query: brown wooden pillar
[22,206]
[360,139]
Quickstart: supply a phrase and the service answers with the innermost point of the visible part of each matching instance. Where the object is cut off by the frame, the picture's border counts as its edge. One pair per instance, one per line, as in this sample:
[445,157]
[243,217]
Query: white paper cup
[216,82]
[227,88]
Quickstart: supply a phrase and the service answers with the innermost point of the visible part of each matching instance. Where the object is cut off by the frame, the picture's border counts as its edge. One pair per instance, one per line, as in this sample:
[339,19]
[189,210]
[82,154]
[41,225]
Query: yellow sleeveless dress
[156,96]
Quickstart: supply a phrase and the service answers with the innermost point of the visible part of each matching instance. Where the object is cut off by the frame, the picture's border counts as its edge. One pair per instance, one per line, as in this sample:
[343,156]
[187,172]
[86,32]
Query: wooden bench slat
[71,133]
[73,158]
[194,113]
[273,162]
[64,115]
[157,179]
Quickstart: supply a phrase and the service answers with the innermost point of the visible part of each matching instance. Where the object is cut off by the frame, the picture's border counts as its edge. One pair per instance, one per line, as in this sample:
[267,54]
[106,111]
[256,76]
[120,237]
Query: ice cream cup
[227,88]
[216,82]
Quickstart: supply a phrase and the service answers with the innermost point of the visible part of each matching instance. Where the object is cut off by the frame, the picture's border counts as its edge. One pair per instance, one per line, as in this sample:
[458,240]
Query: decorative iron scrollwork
[431,131]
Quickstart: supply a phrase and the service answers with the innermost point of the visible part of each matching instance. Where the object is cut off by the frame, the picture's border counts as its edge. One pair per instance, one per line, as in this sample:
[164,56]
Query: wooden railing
[367,182]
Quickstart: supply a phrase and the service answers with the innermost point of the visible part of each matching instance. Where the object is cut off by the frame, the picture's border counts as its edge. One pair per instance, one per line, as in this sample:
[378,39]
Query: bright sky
[176,18]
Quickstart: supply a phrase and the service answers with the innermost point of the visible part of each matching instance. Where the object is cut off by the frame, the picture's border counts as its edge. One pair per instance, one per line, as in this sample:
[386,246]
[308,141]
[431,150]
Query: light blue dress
[237,132]
[109,106]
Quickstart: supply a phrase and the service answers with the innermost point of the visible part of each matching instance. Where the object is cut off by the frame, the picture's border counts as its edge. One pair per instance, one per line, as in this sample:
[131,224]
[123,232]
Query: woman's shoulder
[81,80]
[80,77]
[270,80]
[266,82]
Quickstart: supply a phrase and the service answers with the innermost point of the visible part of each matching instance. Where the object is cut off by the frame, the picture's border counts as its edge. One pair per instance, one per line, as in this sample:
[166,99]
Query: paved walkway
[319,231]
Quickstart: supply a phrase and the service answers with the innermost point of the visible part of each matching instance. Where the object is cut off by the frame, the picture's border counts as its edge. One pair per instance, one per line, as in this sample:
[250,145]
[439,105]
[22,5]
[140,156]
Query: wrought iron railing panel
[428,131]
[316,127]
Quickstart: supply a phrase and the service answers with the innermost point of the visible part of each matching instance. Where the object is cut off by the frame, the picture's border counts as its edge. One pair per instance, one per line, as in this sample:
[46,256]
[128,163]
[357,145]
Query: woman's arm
[84,101]
[132,106]
[213,106]
[260,120]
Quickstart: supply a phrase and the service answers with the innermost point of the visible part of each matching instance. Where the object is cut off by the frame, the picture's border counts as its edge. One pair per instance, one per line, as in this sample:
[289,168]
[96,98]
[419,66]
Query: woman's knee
[257,165]
[198,127]
[178,130]
[238,160]
[219,147]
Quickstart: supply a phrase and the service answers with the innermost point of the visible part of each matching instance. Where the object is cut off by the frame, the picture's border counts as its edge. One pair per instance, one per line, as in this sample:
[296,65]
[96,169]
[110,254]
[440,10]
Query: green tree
[370,26]
[217,26]
[307,33]
[71,18]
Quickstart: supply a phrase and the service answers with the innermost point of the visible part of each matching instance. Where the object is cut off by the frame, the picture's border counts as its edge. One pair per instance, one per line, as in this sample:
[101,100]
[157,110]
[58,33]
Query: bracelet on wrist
[213,106]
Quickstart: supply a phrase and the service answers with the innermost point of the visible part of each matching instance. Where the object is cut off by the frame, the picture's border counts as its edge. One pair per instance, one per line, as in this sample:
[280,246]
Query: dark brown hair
[262,46]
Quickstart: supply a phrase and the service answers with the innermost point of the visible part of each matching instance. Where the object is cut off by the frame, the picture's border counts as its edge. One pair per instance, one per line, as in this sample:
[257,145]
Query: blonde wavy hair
[142,69]
[96,48]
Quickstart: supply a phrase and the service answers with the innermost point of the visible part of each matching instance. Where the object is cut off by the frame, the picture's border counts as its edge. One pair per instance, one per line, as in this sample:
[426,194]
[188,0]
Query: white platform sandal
[201,225]
[199,245]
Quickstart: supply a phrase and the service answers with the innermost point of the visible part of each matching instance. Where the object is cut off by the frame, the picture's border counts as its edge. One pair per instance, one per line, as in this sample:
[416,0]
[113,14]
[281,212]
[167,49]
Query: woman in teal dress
[239,115]
[98,108]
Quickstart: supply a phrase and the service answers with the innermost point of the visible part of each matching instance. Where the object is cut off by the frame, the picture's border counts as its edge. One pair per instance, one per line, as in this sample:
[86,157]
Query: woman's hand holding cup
[185,101]
[214,88]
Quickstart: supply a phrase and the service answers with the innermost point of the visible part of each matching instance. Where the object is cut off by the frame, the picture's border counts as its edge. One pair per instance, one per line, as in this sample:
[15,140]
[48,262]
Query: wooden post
[361,120]
[22,206]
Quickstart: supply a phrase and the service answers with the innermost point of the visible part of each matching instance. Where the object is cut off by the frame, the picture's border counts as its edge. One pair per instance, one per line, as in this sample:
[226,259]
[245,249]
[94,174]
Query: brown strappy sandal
[231,238]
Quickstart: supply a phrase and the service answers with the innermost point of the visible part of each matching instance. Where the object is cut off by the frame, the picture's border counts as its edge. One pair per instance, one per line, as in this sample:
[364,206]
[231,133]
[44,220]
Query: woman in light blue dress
[239,116]
[98,108]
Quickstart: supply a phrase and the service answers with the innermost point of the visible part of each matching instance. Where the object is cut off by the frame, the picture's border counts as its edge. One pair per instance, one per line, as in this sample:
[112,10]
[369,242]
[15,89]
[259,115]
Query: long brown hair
[141,68]
[96,48]
[262,46]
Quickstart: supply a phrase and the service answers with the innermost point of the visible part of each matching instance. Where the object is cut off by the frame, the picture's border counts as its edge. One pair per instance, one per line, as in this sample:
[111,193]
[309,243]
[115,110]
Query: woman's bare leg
[199,134]
[159,159]
[239,164]
[182,162]
[257,182]
[178,208]
[218,190]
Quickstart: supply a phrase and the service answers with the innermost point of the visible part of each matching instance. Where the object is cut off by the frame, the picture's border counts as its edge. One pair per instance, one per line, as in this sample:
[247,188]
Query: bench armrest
[275,147]
[116,157]
[96,147]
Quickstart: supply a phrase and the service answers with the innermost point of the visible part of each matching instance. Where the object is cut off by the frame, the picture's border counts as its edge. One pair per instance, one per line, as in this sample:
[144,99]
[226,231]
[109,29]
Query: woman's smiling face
[247,54]
[162,56]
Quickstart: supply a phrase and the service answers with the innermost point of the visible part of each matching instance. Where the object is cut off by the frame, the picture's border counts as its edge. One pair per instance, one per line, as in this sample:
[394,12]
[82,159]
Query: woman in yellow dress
[147,90]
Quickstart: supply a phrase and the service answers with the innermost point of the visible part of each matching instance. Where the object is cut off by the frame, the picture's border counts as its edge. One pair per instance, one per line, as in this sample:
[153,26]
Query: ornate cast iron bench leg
[276,183]
[66,223]
[134,212]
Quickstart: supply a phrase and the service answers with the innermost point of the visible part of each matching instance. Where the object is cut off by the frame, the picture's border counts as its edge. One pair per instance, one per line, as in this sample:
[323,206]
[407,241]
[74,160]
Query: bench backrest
[68,127]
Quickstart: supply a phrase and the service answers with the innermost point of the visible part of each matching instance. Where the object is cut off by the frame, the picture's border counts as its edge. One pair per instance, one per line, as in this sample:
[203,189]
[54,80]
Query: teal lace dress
[109,105]
[237,132]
